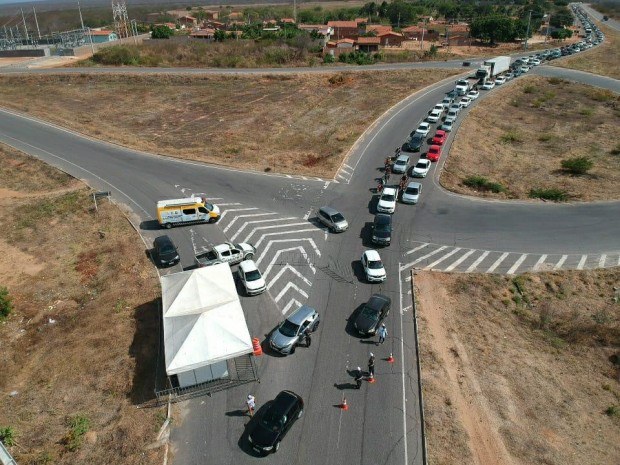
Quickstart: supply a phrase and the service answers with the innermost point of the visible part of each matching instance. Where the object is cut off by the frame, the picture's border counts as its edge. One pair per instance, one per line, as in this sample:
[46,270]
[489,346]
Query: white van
[183,211]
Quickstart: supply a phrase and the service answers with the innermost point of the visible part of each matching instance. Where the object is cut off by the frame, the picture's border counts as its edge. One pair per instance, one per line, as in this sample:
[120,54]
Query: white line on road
[270,220]
[307,215]
[497,262]
[402,363]
[423,257]
[225,212]
[260,228]
[225,230]
[281,241]
[517,264]
[225,204]
[437,262]
[559,264]
[293,270]
[277,255]
[286,288]
[478,261]
[539,263]
[290,303]
[264,236]
[416,249]
[460,260]
[582,262]
[601,261]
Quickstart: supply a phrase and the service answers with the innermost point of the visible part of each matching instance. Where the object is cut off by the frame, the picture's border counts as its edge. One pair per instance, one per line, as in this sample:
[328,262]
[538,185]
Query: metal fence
[5,457]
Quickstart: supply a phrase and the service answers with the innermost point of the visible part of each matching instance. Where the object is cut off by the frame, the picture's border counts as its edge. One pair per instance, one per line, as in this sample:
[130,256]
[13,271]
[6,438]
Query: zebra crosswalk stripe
[416,249]
[559,264]
[539,263]
[601,261]
[437,262]
[460,260]
[478,261]
[423,257]
[517,264]
[497,262]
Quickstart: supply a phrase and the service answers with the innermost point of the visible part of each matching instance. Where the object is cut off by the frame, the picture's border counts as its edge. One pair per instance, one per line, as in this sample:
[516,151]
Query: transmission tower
[121,22]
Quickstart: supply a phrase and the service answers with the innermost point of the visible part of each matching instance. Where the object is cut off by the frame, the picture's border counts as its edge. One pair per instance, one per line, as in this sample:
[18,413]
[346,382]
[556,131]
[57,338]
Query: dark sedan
[165,252]
[372,314]
[414,142]
[285,409]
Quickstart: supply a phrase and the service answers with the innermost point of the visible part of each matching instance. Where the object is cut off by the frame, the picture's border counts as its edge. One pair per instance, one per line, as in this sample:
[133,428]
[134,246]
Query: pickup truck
[226,253]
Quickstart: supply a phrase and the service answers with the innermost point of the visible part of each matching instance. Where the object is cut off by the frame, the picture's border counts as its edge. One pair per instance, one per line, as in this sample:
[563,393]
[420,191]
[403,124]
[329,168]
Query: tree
[400,12]
[561,34]
[577,165]
[219,35]
[369,9]
[494,29]
[162,32]
[6,306]
[383,8]
[561,18]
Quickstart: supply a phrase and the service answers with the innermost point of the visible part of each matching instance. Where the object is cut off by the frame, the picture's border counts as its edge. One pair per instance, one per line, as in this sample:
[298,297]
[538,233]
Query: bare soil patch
[601,60]
[519,135]
[81,343]
[521,370]
[302,124]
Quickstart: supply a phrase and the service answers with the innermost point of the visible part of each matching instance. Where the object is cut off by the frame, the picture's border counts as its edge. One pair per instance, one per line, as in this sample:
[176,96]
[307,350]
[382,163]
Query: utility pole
[548,25]
[92,47]
[295,10]
[422,43]
[398,20]
[527,32]
[36,22]
[24,19]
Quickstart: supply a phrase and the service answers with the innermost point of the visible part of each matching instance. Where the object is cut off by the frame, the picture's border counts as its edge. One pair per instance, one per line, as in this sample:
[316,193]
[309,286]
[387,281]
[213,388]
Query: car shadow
[243,442]
[358,270]
[366,235]
[150,225]
[372,204]
[267,350]
[349,328]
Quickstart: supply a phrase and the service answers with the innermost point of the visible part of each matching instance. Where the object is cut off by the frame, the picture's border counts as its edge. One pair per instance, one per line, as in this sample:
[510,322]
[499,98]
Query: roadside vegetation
[521,369]
[555,145]
[298,124]
[607,7]
[75,365]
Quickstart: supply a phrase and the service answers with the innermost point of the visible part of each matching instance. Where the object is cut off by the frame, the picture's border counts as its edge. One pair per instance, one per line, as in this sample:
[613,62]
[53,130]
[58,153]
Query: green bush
[6,306]
[612,411]
[329,58]
[511,137]
[530,89]
[79,426]
[577,165]
[483,184]
[7,435]
[117,55]
[162,32]
[556,195]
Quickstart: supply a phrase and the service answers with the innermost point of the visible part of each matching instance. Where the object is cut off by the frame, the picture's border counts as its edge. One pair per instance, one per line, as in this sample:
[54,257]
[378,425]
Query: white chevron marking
[286,288]
[275,258]
[225,212]
[281,241]
[260,228]
[437,262]
[460,260]
[288,306]
[416,249]
[293,270]
[240,230]
[264,236]
[517,264]
[244,216]
[423,257]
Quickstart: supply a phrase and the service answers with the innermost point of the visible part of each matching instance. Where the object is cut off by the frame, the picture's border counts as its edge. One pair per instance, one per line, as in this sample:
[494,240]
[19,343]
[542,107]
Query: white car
[439,107]
[401,164]
[373,266]
[488,85]
[525,60]
[534,62]
[500,80]
[387,201]
[473,94]
[447,126]
[455,106]
[524,69]
[412,192]
[424,129]
[434,116]
[451,116]
[465,102]
[251,278]
[446,102]
[421,169]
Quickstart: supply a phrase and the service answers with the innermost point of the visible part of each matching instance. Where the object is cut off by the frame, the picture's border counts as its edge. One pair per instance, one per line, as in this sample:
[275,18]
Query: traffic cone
[371,378]
[258,350]
[343,405]
[390,359]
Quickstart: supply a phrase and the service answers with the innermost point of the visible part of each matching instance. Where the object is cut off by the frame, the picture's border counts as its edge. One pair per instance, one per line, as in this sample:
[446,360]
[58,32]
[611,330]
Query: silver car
[401,164]
[290,332]
[333,219]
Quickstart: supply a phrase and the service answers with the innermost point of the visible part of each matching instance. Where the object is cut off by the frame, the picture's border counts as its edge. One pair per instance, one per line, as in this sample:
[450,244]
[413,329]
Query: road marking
[423,257]
[288,306]
[225,230]
[307,215]
[460,260]
[351,168]
[272,227]
[225,204]
[286,288]
[264,236]
[582,262]
[539,263]
[402,363]
[293,270]
[517,264]
[345,169]
[559,264]
[497,262]
[341,177]
[225,212]
[601,262]
[416,249]
[473,266]
[240,230]
[280,241]
[448,255]
[277,255]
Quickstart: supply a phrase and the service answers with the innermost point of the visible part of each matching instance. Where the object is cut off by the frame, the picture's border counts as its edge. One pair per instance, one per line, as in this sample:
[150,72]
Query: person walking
[382,332]
[371,365]
[251,402]
[308,339]
[358,378]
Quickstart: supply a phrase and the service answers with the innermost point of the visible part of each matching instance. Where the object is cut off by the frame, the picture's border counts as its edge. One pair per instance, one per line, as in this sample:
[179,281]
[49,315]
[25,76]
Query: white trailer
[493,67]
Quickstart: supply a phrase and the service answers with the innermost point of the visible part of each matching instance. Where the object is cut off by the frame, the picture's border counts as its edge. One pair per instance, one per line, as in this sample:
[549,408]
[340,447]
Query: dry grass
[83,336]
[537,359]
[601,60]
[549,120]
[301,124]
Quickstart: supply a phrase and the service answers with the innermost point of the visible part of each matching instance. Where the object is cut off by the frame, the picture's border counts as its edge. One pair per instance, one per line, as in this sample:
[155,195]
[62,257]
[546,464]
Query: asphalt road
[612,23]
[306,264]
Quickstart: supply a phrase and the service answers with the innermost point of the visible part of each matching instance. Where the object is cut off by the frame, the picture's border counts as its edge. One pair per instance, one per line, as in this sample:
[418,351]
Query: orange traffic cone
[343,405]
[390,359]
[371,378]
[258,350]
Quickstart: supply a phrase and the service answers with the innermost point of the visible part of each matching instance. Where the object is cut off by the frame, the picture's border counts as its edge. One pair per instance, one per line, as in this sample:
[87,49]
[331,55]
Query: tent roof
[203,319]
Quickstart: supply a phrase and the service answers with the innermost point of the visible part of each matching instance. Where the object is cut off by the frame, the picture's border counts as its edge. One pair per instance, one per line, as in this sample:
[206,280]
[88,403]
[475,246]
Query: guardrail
[5,457]
[419,369]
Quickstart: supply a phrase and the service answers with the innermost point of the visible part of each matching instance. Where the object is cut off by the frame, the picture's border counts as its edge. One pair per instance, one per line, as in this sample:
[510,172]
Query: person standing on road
[251,402]
[371,365]
[307,338]
[358,378]
[382,333]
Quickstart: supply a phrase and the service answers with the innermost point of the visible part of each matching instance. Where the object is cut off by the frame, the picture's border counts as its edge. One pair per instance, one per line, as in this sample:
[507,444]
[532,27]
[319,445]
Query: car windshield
[412,190]
[375,264]
[387,197]
[289,329]
[401,162]
[421,165]
[253,275]
[209,206]
[273,420]
[370,313]
[382,227]
[337,218]
[167,248]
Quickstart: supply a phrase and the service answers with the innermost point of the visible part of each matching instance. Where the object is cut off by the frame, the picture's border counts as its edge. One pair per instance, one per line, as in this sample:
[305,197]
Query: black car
[382,229]
[165,252]
[273,425]
[372,314]
[452,94]
[414,143]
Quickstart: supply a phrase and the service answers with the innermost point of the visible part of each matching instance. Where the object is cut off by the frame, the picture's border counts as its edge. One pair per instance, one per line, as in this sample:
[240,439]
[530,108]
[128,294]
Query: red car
[440,137]
[434,152]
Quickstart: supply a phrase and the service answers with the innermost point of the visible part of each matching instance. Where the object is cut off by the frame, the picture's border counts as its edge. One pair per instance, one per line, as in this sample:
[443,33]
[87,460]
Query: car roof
[222,247]
[329,210]
[440,132]
[414,184]
[403,157]
[247,266]
[383,218]
[372,255]
[301,314]
[435,147]
[285,400]
[161,240]
[378,301]
[389,190]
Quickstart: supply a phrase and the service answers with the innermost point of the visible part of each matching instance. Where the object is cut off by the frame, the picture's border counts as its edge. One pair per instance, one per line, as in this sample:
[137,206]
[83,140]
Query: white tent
[203,319]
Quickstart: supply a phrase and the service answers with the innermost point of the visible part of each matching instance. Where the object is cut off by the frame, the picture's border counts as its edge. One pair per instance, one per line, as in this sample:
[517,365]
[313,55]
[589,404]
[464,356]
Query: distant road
[612,23]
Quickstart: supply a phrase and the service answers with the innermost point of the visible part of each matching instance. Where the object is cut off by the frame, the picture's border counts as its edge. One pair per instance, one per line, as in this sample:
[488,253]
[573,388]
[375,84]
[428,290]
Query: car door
[236,256]
[189,214]
[241,275]
[325,219]
[203,214]
[365,263]
[226,256]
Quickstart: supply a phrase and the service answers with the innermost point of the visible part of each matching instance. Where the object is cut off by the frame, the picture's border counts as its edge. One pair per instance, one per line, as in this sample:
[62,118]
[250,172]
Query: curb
[419,370]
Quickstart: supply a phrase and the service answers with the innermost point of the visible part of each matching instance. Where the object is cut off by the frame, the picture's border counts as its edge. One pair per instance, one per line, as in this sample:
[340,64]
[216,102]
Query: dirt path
[467,400]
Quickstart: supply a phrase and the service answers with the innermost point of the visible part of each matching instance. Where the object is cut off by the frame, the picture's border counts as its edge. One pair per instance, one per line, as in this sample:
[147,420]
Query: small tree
[162,32]
[7,436]
[219,35]
[577,165]
[6,305]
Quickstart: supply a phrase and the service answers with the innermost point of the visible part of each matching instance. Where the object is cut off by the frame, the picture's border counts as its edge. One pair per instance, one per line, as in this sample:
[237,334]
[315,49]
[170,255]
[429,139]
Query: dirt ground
[549,120]
[298,124]
[522,370]
[82,339]
[601,60]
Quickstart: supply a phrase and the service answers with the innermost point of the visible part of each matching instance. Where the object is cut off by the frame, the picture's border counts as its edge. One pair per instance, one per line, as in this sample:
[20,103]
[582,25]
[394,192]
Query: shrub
[510,137]
[615,150]
[577,165]
[6,306]
[612,411]
[162,32]
[117,55]
[556,195]
[329,58]
[530,89]
[79,426]
[483,184]
[588,111]
[7,435]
